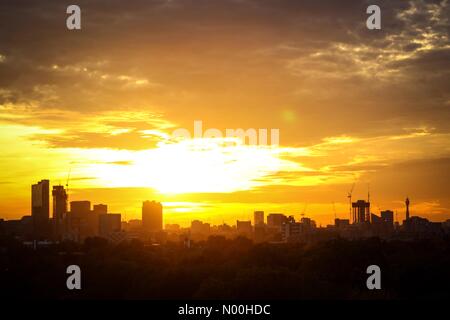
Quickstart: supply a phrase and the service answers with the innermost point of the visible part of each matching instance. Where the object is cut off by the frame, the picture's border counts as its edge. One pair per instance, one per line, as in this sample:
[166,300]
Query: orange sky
[351,105]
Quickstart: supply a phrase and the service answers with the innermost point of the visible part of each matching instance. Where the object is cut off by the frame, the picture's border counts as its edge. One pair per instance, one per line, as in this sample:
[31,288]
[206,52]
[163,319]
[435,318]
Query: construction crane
[67,184]
[349,196]
[304,210]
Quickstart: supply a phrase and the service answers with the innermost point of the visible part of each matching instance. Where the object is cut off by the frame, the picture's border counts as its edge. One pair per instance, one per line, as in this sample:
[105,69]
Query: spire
[407,208]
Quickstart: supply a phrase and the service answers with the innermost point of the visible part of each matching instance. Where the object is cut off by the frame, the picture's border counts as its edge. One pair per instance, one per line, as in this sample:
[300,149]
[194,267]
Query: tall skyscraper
[100,208]
[59,209]
[152,216]
[40,208]
[258,217]
[276,220]
[388,217]
[78,221]
[109,223]
[94,218]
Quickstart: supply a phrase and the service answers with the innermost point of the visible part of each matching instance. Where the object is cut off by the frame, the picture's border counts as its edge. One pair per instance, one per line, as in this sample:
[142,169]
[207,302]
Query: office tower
[198,227]
[109,223]
[80,207]
[276,219]
[152,216]
[244,227]
[258,217]
[40,208]
[100,208]
[407,208]
[94,218]
[361,211]
[77,220]
[388,217]
[59,209]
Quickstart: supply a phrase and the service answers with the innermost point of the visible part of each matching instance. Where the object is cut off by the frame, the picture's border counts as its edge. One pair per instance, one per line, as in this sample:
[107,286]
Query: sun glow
[193,165]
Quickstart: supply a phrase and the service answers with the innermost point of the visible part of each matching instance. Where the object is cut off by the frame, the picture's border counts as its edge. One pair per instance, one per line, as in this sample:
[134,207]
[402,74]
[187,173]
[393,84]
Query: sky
[352,106]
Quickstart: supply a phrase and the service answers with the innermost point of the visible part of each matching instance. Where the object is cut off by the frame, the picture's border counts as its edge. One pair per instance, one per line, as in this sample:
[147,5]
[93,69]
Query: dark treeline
[227,269]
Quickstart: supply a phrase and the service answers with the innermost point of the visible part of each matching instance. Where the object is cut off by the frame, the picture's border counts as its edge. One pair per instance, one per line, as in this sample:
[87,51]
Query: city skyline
[79,221]
[359,210]
[96,107]
[41,196]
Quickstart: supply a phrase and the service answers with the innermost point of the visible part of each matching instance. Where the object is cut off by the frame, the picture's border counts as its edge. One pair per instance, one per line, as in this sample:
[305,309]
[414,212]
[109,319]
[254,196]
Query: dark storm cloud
[167,55]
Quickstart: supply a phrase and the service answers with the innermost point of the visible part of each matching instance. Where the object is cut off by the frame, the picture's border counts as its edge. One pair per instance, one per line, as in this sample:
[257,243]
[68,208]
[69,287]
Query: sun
[187,166]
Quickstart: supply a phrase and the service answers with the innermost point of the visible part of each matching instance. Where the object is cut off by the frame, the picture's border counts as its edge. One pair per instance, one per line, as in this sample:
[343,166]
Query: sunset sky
[351,105]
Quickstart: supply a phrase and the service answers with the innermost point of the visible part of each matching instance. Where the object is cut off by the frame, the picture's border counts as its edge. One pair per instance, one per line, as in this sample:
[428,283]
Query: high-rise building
[258,217]
[78,220]
[109,223]
[40,208]
[94,218]
[59,209]
[388,217]
[100,208]
[152,216]
[244,227]
[80,207]
[198,227]
[276,219]
[361,211]
[341,223]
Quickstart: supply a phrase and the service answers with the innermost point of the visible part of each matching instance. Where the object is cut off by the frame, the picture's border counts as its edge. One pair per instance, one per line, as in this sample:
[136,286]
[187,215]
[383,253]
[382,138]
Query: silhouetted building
[258,217]
[388,217]
[109,224]
[40,208]
[308,222]
[260,232]
[298,231]
[419,227]
[80,207]
[93,218]
[341,223]
[22,228]
[100,208]
[135,225]
[375,220]
[244,227]
[59,210]
[152,216]
[276,219]
[200,230]
[78,227]
[361,211]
